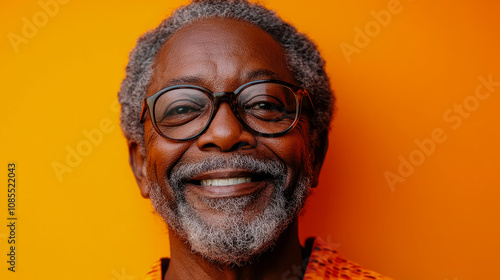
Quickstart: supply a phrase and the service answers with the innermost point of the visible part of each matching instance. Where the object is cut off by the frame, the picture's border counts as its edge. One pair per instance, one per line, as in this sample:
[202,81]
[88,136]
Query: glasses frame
[230,97]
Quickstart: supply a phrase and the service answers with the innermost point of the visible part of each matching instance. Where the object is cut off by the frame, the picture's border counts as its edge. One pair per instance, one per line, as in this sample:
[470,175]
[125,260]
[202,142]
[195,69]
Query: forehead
[219,53]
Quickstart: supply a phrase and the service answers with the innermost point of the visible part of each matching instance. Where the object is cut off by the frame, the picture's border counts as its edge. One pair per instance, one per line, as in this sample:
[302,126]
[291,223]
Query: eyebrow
[187,80]
[195,80]
[262,74]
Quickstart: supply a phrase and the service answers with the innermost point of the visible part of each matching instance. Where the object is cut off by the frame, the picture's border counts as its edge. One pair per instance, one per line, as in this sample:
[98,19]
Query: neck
[286,256]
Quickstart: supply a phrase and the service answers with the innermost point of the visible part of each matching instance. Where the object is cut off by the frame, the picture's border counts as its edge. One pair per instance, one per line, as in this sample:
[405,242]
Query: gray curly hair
[302,56]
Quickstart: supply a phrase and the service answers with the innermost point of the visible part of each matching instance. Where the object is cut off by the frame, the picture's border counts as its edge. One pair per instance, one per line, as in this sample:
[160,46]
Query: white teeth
[225,182]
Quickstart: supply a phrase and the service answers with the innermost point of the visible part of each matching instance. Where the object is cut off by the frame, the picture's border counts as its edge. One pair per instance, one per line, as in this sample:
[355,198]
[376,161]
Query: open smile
[229,183]
[225,182]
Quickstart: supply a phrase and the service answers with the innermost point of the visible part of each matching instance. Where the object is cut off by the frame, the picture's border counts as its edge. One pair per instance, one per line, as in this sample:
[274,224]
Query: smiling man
[226,110]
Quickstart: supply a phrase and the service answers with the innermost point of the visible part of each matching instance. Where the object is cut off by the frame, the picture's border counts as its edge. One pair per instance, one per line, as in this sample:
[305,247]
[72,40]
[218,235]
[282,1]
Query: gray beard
[232,239]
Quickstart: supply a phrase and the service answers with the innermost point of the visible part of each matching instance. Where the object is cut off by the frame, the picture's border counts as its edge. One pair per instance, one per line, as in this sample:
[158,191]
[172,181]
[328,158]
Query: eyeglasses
[268,108]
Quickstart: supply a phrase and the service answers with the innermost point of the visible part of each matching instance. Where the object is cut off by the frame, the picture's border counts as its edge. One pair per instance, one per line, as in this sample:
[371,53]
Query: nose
[226,133]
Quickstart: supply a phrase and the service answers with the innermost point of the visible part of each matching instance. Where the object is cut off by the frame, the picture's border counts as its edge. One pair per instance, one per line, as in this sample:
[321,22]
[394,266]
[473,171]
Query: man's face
[227,181]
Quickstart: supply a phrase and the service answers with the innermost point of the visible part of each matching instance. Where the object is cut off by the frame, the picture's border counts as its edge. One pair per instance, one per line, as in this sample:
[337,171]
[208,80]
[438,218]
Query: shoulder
[327,263]
[324,263]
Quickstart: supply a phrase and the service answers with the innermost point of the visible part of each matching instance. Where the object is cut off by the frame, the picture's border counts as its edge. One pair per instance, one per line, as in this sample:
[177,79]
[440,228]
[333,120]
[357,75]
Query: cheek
[161,155]
[292,149]
[299,144]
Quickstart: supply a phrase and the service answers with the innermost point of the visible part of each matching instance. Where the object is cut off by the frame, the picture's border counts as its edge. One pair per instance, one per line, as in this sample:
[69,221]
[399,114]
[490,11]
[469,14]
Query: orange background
[441,223]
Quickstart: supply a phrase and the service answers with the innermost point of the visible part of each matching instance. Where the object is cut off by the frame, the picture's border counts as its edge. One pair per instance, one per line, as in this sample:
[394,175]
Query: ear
[137,163]
[320,148]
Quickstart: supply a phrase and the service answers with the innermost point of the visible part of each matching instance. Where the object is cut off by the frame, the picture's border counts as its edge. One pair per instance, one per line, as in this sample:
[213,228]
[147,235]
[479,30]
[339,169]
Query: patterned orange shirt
[324,263]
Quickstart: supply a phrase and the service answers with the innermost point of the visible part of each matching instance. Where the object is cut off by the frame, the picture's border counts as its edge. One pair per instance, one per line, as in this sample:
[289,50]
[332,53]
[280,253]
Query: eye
[181,109]
[180,112]
[264,106]
[264,102]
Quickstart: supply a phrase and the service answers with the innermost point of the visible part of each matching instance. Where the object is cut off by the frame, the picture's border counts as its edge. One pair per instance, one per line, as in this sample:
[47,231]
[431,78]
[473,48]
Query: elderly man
[226,110]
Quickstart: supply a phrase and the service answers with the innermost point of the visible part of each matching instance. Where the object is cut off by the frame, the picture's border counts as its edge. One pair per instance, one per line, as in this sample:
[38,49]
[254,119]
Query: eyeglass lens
[266,108]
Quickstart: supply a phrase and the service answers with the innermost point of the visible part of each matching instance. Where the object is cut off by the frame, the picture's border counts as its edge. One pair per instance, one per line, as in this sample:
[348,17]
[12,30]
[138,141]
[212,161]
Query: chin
[222,212]
[234,236]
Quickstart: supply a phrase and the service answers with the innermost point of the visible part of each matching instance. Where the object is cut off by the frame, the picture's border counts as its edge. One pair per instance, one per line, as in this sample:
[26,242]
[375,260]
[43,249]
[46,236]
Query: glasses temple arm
[306,93]
[144,110]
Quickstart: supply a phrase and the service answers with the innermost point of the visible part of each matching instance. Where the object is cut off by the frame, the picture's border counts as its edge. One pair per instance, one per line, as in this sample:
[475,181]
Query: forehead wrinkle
[213,64]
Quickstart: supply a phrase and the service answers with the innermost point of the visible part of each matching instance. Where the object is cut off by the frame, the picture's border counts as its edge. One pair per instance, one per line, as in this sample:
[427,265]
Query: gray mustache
[184,171]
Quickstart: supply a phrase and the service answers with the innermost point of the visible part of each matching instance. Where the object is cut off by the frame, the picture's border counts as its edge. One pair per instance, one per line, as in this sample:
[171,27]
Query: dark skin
[221,55]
